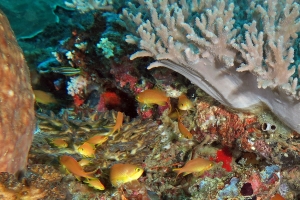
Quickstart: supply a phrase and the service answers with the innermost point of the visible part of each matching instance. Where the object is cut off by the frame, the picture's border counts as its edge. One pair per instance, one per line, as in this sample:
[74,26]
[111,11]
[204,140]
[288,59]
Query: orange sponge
[17,118]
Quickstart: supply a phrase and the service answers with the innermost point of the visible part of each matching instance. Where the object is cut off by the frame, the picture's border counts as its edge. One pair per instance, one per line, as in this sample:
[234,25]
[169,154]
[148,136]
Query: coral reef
[115,130]
[88,5]
[200,41]
[17,116]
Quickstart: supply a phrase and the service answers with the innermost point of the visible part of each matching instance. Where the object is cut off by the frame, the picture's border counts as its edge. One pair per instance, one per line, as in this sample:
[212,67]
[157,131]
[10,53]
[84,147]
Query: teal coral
[107,47]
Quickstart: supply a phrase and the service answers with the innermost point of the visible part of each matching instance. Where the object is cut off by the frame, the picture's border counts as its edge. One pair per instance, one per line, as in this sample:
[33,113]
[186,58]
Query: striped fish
[67,71]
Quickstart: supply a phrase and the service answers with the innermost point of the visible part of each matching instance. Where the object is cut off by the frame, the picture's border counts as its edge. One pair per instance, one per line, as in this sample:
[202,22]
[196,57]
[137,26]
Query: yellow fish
[97,139]
[87,150]
[73,167]
[60,143]
[183,130]
[119,123]
[95,183]
[195,165]
[84,162]
[123,173]
[184,103]
[153,96]
[44,97]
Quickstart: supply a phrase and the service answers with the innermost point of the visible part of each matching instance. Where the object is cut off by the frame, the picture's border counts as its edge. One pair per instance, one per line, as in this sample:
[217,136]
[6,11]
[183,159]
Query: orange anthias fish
[73,167]
[277,197]
[184,103]
[95,183]
[153,96]
[97,139]
[87,150]
[196,165]
[183,130]
[60,143]
[123,173]
[44,97]
[84,162]
[119,123]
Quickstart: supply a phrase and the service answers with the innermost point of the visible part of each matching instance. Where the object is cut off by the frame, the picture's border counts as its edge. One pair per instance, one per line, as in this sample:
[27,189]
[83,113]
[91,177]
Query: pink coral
[223,125]
[262,148]
[125,73]
[256,183]
[145,114]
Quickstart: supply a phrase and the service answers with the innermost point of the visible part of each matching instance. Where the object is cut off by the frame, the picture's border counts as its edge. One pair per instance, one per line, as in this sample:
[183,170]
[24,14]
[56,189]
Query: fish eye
[137,169]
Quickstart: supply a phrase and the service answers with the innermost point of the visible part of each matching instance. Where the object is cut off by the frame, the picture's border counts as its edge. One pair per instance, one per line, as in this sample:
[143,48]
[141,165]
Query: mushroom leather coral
[17,118]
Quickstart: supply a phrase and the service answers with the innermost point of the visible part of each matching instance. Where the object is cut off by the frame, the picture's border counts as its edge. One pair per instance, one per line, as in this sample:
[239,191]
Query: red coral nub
[224,155]
[108,99]
[111,98]
[77,100]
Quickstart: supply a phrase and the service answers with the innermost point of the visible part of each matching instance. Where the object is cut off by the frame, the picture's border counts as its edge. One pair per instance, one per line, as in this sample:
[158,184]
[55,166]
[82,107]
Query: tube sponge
[17,117]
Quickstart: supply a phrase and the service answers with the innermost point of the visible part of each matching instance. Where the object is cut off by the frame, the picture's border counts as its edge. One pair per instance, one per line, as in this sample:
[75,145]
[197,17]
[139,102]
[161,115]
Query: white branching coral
[76,85]
[274,69]
[242,67]
[84,6]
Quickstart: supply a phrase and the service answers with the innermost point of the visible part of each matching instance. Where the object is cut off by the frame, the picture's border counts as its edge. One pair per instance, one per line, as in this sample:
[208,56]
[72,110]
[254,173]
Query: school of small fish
[122,173]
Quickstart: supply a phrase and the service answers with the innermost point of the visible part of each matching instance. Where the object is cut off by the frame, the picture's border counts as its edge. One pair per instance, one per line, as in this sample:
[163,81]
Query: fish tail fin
[186,173]
[77,177]
[112,129]
[89,174]
[169,104]
[87,180]
[178,171]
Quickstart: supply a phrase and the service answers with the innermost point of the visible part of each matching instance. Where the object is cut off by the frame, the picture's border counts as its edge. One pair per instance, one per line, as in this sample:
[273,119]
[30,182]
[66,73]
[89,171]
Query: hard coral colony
[200,41]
